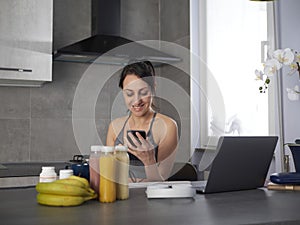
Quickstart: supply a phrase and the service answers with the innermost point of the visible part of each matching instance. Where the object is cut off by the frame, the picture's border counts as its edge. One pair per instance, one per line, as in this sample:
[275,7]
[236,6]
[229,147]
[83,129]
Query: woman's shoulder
[119,120]
[166,120]
[118,123]
[163,127]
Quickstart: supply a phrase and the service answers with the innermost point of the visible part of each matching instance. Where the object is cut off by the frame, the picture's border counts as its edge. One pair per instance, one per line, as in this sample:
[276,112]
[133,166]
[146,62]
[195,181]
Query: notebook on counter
[242,163]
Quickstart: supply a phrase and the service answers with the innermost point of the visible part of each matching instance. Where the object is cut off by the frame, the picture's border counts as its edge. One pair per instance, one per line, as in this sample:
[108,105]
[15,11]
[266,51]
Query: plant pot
[295,149]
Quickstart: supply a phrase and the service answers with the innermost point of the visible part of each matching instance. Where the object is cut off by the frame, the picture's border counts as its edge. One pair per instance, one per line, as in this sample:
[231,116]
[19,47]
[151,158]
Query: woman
[155,154]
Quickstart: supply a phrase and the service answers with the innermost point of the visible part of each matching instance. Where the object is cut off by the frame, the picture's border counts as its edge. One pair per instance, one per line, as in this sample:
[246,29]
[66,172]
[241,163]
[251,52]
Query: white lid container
[96,148]
[107,149]
[48,174]
[63,174]
[121,148]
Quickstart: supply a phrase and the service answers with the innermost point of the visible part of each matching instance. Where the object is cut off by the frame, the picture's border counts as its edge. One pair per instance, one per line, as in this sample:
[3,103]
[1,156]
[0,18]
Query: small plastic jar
[63,174]
[48,174]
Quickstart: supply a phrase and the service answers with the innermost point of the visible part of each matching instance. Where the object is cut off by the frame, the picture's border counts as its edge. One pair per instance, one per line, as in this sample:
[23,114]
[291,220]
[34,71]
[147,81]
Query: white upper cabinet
[26,28]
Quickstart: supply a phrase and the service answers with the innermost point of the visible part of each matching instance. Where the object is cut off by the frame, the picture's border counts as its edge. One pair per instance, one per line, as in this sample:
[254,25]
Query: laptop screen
[242,162]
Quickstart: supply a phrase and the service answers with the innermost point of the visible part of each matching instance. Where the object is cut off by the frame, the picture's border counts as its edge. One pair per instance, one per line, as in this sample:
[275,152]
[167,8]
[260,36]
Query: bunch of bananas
[71,191]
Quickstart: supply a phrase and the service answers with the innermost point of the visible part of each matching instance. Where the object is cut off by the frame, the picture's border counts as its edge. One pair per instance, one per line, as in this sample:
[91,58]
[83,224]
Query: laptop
[241,163]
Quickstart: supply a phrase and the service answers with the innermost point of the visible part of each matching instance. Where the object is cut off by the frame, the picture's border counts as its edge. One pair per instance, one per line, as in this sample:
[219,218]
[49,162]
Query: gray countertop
[18,206]
[25,174]
[24,169]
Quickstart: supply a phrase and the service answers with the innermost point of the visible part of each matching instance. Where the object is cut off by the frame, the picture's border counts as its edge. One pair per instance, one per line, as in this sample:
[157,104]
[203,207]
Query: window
[226,42]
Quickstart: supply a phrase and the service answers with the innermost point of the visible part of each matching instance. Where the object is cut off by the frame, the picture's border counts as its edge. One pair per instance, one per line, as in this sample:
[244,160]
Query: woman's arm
[167,149]
[167,134]
[111,135]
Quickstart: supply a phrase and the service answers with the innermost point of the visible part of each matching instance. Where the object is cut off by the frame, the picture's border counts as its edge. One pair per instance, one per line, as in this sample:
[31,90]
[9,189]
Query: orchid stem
[298,68]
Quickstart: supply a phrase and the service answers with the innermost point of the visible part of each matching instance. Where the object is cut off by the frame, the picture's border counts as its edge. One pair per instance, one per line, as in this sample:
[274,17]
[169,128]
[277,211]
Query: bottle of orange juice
[107,189]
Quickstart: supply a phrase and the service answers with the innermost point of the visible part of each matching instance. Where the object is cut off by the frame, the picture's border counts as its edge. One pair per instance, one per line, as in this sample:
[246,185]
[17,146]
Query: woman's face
[137,95]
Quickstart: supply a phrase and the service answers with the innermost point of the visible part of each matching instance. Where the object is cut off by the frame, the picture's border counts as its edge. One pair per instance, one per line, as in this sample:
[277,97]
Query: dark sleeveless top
[134,161]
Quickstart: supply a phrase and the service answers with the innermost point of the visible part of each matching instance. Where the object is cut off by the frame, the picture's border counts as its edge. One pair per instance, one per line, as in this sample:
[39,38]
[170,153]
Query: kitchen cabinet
[26,29]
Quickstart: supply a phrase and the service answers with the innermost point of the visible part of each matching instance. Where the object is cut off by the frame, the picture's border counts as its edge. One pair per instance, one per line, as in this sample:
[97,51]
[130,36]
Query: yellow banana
[61,200]
[81,179]
[71,182]
[62,189]
[75,182]
[91,191]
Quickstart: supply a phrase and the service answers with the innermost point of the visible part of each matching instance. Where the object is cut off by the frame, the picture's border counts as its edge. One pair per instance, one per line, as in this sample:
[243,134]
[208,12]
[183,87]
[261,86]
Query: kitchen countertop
[24,174]
[24,169]
[18,206]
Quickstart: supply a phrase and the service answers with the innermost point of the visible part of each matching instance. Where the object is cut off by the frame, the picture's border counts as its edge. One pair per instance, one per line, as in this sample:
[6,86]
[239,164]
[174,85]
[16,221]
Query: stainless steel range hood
[107,42]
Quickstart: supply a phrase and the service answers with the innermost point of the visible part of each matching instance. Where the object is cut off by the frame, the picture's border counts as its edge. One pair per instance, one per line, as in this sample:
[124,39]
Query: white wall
[288,31]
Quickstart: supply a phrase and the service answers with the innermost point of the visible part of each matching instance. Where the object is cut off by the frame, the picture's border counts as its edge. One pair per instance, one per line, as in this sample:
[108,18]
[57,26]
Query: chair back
[183,172]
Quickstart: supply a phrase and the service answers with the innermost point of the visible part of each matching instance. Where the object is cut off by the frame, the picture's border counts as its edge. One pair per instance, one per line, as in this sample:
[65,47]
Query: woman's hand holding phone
[141,147]
[134,133]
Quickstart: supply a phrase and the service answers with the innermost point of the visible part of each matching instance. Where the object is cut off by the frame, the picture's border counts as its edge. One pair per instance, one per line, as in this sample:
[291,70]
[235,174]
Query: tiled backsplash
[36,123]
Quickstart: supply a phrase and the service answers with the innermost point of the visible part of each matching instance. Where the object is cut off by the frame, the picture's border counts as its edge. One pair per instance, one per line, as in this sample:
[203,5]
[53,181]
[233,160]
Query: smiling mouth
[137,106]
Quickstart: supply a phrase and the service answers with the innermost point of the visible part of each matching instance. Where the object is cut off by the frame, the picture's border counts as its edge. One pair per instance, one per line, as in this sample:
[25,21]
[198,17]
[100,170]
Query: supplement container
[63,174]
[107,190]
[48,174]
[122,172]
[94,167]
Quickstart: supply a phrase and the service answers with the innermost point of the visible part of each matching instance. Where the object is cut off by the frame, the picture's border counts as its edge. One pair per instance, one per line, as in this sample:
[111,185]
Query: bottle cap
[48,168]
[96,148]
[107,149]
[121,148]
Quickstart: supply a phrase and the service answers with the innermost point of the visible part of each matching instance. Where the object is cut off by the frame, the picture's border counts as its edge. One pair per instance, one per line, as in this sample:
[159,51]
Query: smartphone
[141,132]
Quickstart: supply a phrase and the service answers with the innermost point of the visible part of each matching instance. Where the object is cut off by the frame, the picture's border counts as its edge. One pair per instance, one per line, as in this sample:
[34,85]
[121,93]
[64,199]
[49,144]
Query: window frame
[197,39]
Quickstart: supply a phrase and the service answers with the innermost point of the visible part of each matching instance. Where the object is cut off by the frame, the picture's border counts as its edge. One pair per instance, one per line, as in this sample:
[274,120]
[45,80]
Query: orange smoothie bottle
[107,190]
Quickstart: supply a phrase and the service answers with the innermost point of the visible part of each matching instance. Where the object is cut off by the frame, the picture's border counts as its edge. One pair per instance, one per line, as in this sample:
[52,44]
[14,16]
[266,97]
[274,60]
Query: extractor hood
[106,41]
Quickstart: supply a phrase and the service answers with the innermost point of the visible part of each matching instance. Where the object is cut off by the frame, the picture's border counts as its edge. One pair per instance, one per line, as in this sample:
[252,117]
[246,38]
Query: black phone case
[141,132]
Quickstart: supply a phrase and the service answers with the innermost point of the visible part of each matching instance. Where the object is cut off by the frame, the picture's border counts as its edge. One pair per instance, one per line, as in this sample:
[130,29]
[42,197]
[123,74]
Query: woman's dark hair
[142,69]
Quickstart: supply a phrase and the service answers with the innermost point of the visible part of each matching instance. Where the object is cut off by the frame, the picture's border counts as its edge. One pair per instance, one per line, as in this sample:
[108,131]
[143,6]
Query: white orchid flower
[293,94]
[285,56]
[276,61]
[271,66]
[294,68]
[259,75]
